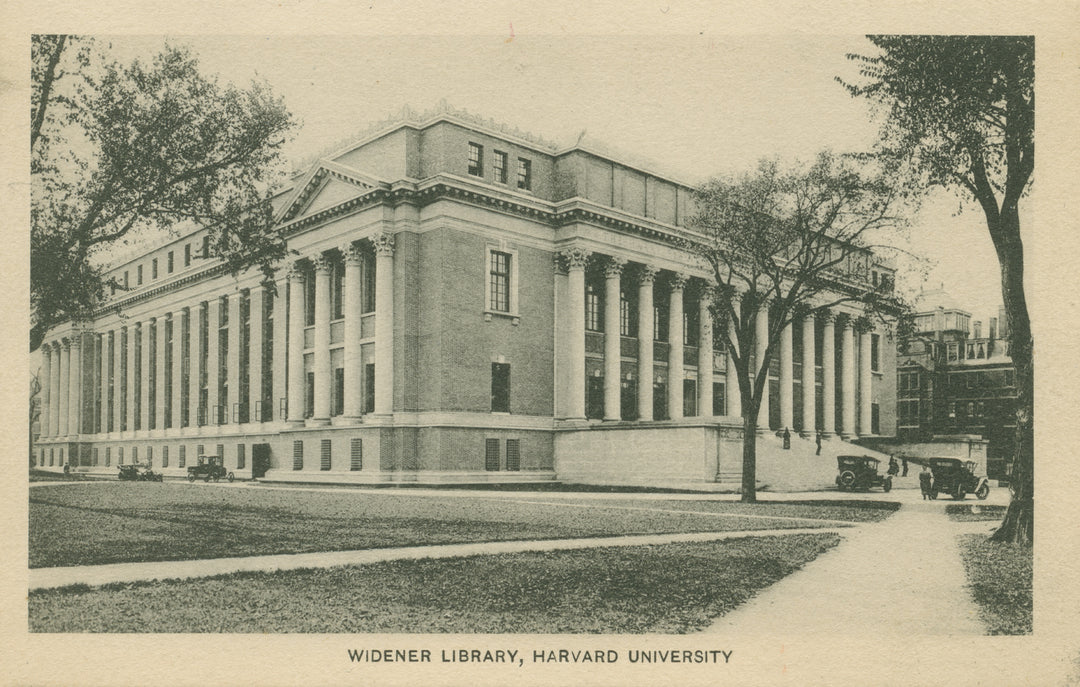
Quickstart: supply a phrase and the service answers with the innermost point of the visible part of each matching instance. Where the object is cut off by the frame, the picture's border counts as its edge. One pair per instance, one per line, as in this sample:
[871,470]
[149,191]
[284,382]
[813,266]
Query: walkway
[902,576]
[93,575]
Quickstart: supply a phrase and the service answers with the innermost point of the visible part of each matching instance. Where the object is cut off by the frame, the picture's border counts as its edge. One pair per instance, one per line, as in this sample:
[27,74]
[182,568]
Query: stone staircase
[800,468]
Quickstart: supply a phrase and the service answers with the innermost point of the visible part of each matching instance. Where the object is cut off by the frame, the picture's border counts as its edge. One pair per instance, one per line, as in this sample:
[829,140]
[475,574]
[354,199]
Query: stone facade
[464,303]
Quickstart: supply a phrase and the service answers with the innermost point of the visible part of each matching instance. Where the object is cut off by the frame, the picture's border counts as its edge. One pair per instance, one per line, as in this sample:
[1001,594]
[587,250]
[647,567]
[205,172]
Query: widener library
[463,303]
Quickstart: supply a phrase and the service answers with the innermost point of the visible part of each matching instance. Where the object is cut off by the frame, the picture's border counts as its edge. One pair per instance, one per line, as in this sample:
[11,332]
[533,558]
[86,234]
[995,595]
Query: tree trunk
[1018,525]
[749,455]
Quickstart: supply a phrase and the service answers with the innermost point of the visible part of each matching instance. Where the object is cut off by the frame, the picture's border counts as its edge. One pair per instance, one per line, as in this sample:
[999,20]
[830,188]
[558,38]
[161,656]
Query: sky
[694,105]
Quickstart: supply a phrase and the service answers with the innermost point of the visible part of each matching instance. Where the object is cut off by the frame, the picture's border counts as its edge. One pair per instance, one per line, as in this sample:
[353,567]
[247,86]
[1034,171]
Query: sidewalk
[93,575]
[902,576]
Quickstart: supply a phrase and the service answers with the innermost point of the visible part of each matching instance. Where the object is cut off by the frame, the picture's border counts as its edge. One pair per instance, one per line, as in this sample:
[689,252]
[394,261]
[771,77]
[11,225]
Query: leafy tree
[121,149]
[796,240]
[961,111]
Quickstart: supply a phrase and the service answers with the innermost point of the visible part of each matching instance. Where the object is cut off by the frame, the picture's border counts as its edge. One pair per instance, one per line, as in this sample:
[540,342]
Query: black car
[138,473]
[957,478]
[209,468]
[860,473]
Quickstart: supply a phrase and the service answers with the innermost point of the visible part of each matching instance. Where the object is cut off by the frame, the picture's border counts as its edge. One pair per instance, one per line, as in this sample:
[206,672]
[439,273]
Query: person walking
[818,443]
[903,461]
[894,467]
[925,478]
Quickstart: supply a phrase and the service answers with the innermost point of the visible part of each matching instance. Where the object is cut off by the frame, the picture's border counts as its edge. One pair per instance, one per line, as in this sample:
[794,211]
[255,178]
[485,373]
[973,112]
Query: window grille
[356,454]
[324,454]
[513,454]
[298,455]
[491,454]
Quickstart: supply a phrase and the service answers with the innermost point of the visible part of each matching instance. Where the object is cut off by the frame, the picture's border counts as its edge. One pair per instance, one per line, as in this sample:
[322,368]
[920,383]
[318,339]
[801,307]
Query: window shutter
[324,454]
[298,455]
[356,454]
[491,454]
[513,454]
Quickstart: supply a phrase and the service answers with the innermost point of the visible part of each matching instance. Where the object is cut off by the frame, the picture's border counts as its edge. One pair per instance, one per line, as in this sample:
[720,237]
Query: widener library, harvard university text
[463,303]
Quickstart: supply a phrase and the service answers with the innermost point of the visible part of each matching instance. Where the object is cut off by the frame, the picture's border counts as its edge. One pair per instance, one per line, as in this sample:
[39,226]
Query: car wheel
[887,484]
[983,492]
[960,493]
[191,477]
[847,479]
[207,478]
[231,477]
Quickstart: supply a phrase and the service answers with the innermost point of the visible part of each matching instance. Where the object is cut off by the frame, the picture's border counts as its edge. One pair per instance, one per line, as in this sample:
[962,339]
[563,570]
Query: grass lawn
[670,588]
[1000,577]
[973,512]
[117,522]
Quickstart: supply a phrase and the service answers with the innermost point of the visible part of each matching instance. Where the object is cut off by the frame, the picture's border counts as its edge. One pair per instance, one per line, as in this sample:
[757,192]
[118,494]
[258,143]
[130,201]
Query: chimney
[978,329]
[993,328]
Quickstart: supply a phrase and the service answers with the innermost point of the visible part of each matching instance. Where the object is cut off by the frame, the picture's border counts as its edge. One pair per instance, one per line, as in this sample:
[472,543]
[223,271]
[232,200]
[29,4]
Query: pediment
[327,184]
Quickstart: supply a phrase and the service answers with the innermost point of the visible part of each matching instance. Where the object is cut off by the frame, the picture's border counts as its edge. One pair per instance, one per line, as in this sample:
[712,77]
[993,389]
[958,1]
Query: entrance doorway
[260,460]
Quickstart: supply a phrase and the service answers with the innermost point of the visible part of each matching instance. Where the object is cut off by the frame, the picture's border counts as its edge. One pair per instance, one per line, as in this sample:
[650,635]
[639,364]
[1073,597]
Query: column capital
[863,324]
[575,257]
[825,315]
[321,263]
[677,281]
[646,274]
[295,272]
[384,244]
[843,320]
[354,254]
[75,342]
[64,343]
[613,268]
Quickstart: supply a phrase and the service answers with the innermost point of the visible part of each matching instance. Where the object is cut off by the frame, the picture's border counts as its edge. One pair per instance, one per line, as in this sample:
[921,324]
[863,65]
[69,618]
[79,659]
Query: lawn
[125,522]
[1000,578]
[670,588]
[973,512]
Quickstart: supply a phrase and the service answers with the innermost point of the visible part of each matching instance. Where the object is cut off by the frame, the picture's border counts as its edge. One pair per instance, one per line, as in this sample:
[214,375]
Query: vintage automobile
[957,478]
[209,468]
[139,473]
[860,473]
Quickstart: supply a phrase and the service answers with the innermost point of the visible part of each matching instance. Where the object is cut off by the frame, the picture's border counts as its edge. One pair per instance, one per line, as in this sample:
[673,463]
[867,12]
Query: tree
[960,110]
[795,241]
[121,149]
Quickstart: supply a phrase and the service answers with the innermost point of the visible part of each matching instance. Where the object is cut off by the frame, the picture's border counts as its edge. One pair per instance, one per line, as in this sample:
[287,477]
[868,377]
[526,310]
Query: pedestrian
[904,459]
[924,482]
[894,467]
[818,443]
[787,438]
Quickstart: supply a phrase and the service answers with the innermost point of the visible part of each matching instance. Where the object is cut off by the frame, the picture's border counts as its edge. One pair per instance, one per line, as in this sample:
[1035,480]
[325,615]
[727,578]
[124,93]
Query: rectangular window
[138,275]
[513,454]
[108,455]
[309,299]
[660,322]
[137,400]
[124,337]
[205,247]
[152,381]
[241,456]
[627,315]
[660,409]
[126,283]
[185,368]
[875,353]
[223,361]
[491,455]
[594,398]
[324,454]
[953,352]
[244,355]
[153,268]
[119,455]
[628,406]
[111,410]
[170,329]
[369,388]
[524,175]
[181,460]
[134,455]
[500,387]
[204,374]
[691,329]
[338,406]
[169,263]
[594,309]
[719,400]
[499,281]
[150,456]
[356,454]
[498,168]
[875,418]
[187,255]
[309,394]
[476,159]
[164,456]
[689,397]
[95,456]
[337,288]
[368,292]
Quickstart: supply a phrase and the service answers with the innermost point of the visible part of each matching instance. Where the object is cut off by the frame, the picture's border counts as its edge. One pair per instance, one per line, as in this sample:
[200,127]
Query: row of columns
[61,369]
[575,261]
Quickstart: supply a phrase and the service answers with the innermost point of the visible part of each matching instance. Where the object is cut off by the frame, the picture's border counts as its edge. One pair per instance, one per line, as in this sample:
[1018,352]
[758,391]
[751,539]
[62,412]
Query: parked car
[957,478]
[209,468]
[860,473]
[139,473]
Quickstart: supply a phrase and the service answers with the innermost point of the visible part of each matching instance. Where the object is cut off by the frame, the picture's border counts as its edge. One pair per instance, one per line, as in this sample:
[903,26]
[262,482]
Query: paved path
[43,578]
[902,576]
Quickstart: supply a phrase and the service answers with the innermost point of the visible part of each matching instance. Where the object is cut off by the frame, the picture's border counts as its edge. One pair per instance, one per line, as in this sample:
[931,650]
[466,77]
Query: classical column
[732,393]
[645,335]
[63,372]
[133,335]
[177,366]
[847,380]
[55,353]
[865,385]
[612,339]
[158,404]
[828,374]
[675,350]
[296,344]
[103,381]
[146,402]
[321,367]
[384,323]
[354,311]
[45,389]
[194,365]
[787,379]
[256,310]
[761,342]
[809,407]
[213,360]
[117,375]
[705,354]
[576,260]
[75,402]
[279,368]
[232,361]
